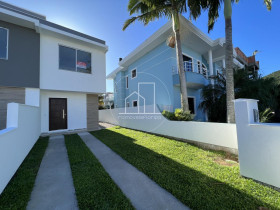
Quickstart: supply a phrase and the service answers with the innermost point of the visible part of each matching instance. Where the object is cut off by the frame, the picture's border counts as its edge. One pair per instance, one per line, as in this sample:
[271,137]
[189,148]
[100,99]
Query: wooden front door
[58,113]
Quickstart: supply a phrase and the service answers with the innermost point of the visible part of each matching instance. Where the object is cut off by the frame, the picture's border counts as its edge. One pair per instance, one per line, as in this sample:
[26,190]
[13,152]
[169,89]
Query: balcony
[196,77]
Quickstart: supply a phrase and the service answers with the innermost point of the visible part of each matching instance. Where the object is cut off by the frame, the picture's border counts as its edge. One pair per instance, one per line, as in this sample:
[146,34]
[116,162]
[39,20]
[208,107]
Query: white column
[210,58]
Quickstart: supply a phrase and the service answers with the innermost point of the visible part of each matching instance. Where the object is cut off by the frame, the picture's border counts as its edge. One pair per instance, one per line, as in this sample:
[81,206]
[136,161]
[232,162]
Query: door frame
[65,99]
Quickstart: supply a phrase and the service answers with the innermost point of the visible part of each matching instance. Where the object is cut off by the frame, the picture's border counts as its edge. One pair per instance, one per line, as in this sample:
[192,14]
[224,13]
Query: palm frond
[128,22]
[147,17]
[268,4]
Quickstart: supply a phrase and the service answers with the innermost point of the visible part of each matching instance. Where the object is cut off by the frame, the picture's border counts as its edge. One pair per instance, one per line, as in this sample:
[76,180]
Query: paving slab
[139,188]
[54,188]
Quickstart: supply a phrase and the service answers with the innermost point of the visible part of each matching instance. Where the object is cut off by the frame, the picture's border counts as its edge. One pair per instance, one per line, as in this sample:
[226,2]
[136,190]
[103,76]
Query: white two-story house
[43,64]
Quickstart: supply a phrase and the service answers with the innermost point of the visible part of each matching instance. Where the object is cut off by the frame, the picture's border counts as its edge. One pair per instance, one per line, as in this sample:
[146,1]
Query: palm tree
[149,10]
[213,14]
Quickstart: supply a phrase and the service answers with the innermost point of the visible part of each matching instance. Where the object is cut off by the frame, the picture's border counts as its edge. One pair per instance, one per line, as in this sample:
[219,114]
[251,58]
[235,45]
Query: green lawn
[17,193]
[201,179]
[94,187]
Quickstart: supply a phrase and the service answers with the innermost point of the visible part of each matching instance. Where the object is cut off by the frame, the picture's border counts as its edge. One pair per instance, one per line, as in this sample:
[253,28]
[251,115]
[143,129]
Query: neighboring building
[151,70]
[47,65]
[249,63]
[108,100]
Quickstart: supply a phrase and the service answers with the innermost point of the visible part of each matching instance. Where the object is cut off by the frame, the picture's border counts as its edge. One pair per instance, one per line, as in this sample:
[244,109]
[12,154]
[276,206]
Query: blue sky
[254,28]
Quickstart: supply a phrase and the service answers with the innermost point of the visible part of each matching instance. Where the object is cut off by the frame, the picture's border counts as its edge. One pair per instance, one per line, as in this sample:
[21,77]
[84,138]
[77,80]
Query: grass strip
[201,179]
[17,193]
[94,187]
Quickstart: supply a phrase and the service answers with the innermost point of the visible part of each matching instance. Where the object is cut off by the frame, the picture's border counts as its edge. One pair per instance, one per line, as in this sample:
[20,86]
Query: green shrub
[179,115]
[183,116]
[169,115]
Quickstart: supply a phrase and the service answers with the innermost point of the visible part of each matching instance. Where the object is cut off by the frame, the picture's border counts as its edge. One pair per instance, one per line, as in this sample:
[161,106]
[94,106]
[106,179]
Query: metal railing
[188,66]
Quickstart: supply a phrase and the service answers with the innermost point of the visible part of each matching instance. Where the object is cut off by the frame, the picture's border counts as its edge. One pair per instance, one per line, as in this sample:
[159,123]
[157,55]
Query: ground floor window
[134,103]
[191,101]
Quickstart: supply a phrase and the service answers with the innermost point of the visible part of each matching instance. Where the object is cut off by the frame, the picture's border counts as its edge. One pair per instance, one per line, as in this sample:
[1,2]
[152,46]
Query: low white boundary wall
[23,130]
[218,134]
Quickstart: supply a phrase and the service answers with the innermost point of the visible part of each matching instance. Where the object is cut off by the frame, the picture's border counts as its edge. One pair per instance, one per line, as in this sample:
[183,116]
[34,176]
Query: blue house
[151,70]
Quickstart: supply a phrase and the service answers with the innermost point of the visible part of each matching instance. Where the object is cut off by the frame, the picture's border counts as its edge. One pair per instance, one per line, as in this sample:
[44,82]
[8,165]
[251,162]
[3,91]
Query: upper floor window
[133,73]
[74,60]
[188,63]
[126,82]
[4,43]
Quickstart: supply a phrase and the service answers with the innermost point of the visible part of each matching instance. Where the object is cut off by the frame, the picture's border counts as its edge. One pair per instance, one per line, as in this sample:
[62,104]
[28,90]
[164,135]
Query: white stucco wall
[76,109]
[219,134]
[32,96]
[52,78]
[17,140]
[258,143]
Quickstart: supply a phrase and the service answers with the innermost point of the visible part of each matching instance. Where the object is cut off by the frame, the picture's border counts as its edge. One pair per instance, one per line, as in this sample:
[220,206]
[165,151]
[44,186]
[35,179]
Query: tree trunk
[229,72]
[180,64]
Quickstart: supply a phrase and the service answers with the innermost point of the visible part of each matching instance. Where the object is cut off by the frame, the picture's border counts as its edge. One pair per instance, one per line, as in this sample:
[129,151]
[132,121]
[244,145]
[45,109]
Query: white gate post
[258,144]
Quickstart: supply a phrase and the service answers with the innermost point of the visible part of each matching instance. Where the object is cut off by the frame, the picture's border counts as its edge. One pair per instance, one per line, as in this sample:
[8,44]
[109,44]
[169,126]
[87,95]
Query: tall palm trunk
[180,64]
[229,63]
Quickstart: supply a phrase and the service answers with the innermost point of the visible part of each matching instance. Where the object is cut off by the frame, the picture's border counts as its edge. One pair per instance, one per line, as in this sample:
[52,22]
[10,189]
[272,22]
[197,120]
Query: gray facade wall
[22,69]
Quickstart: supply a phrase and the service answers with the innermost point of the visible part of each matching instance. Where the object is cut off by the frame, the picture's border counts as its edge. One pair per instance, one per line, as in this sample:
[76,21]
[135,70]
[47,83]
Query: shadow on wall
[194,188]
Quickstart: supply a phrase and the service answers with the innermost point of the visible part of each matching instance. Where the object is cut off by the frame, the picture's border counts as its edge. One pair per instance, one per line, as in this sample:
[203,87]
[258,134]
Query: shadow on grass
[193,188]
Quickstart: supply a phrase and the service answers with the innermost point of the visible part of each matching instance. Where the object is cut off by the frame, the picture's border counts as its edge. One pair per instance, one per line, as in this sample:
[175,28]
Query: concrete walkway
[54,187]
[140,189]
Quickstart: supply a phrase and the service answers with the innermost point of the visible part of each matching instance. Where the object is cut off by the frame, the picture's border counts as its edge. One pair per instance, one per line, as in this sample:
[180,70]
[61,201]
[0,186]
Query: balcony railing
[188,66]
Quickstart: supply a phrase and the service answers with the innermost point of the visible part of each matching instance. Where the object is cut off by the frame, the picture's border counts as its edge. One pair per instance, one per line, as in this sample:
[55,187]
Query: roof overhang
[39,26]
[191,37]
[42,28]
[113,74]
[157,38]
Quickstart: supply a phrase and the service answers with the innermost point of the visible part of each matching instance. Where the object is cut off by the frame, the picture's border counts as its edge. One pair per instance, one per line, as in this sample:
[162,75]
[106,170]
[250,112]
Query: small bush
[183,116]
[179,115]
[169,115]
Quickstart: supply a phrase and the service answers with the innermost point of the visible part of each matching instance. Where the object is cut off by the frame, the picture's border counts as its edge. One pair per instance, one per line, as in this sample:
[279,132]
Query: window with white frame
[74,60]
[134,103]
[4,37]
[188,63]
[126,82]
[133,73]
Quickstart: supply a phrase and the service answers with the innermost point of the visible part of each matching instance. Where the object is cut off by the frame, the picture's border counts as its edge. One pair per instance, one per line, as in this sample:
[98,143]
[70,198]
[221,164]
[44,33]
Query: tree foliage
[266,90]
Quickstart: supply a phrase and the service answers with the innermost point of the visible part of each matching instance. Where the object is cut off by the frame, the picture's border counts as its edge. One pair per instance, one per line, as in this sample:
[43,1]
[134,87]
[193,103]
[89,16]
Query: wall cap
[244,99]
